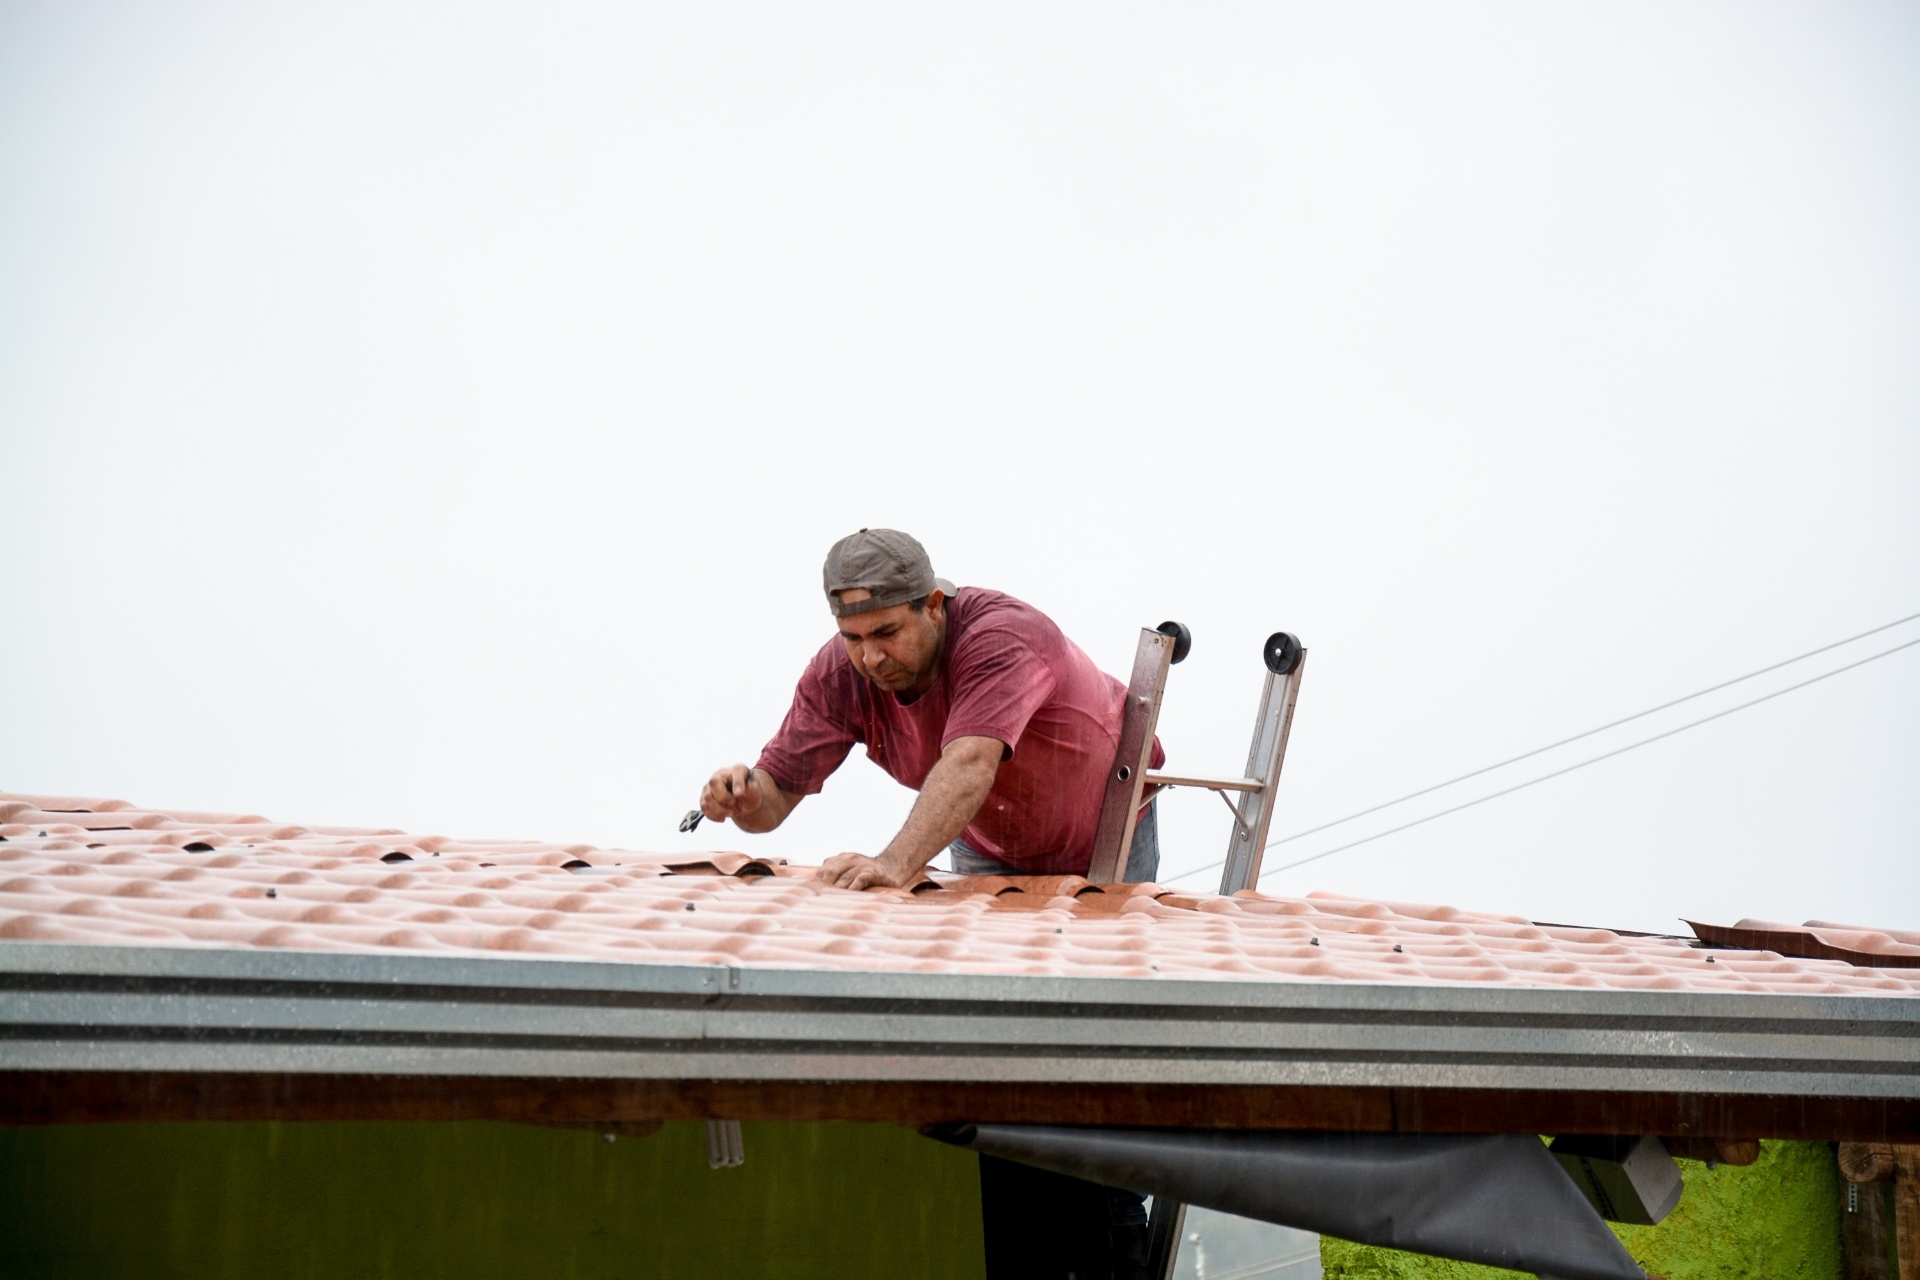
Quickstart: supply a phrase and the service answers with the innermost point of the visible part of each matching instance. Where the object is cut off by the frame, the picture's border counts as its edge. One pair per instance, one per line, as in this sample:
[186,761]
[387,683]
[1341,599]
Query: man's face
[896,648]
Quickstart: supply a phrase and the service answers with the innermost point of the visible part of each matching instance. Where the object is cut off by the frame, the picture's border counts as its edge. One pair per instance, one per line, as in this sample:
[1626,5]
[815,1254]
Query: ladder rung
[1211,784]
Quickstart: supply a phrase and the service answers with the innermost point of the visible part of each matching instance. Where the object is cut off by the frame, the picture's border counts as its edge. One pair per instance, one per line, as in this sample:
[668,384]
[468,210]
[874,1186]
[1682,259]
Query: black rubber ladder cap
[1496,1199]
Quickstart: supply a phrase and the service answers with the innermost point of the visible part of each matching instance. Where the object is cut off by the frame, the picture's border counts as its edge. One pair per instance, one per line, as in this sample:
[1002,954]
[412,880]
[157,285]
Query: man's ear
[936,604]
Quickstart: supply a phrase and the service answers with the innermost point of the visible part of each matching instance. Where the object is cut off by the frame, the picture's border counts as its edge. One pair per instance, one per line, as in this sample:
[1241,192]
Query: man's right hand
[730,793]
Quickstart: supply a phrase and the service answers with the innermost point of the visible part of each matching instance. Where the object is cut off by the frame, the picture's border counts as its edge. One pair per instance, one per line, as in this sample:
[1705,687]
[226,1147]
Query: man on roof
[972,698]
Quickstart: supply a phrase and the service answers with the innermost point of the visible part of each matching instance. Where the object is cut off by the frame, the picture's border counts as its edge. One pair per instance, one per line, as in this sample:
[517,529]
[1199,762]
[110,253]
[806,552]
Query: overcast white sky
[435,415]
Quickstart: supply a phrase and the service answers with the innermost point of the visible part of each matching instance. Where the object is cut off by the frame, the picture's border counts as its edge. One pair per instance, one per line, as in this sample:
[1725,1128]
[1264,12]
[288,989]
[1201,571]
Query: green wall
[477,1200]
[1776,1219]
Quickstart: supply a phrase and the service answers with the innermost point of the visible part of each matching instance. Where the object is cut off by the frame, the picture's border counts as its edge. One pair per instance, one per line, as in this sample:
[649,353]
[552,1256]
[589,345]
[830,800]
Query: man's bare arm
[747,795]
[955,788]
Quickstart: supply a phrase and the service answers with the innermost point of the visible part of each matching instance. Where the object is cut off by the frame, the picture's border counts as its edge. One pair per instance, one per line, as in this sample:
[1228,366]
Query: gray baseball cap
[890,564]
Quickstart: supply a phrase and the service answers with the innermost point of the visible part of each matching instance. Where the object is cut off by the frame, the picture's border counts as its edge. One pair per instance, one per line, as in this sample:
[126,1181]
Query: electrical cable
[1525,755]
[1614,724]
[1596,759]
[1575,738]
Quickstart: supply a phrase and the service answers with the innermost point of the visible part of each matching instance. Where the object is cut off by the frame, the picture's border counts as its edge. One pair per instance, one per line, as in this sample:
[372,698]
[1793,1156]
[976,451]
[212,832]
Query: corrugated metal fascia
[557,975]
[168,1008]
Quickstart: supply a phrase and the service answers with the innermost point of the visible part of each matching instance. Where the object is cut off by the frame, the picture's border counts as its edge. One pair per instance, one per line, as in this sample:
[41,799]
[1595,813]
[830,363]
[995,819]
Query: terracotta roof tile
[82,870]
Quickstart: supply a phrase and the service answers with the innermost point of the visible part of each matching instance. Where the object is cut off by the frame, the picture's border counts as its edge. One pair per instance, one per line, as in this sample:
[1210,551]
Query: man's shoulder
[830,674]
[832,688]
[979,608]
[1002,641]
[982,617]
[829,662]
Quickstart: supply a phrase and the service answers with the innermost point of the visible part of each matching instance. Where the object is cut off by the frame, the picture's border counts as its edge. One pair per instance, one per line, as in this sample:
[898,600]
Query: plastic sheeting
[1499,1199]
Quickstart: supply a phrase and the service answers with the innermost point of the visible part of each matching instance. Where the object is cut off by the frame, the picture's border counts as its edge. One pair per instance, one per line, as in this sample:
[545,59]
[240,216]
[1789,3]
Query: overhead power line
[1612,724]
[1595,760]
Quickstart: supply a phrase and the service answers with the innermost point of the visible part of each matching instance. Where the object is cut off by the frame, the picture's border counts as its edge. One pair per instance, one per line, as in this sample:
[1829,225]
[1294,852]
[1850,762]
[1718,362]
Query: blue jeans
[1143,860]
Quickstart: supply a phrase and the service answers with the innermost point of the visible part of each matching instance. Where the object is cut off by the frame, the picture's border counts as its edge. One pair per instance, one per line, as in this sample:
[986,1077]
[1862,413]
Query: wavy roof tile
[94,870]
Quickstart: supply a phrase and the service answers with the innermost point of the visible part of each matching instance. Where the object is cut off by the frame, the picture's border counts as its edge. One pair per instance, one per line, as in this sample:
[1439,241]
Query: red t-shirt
[1007,673]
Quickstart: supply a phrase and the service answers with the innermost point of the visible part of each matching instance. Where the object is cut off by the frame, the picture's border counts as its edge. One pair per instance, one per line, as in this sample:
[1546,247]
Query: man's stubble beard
[909,679]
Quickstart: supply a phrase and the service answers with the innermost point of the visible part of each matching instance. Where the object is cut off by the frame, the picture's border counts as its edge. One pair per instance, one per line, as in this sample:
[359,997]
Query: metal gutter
[178,1009]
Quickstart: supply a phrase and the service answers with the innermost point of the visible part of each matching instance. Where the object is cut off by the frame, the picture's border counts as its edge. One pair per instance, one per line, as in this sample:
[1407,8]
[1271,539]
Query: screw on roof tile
[1313,942]
[1396,946]
[273,893]
[689,906]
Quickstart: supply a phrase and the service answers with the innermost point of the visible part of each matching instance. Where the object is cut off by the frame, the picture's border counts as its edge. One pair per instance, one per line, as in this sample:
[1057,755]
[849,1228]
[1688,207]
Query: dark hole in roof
[396,856]
[575,864]
[198,846]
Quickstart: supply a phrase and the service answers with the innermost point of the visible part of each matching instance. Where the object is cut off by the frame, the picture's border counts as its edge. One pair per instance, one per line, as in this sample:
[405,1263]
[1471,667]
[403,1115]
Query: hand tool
[693,817]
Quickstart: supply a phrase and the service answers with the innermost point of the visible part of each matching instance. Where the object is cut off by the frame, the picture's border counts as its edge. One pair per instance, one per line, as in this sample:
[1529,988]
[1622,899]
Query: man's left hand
[858,871]
[951,795]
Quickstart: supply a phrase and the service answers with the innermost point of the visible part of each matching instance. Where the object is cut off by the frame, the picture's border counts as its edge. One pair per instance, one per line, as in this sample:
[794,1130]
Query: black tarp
[1495,1199]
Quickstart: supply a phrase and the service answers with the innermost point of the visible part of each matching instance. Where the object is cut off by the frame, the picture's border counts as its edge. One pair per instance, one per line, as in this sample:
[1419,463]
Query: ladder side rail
[1120,806]
[1246,843]
[1164,1226]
